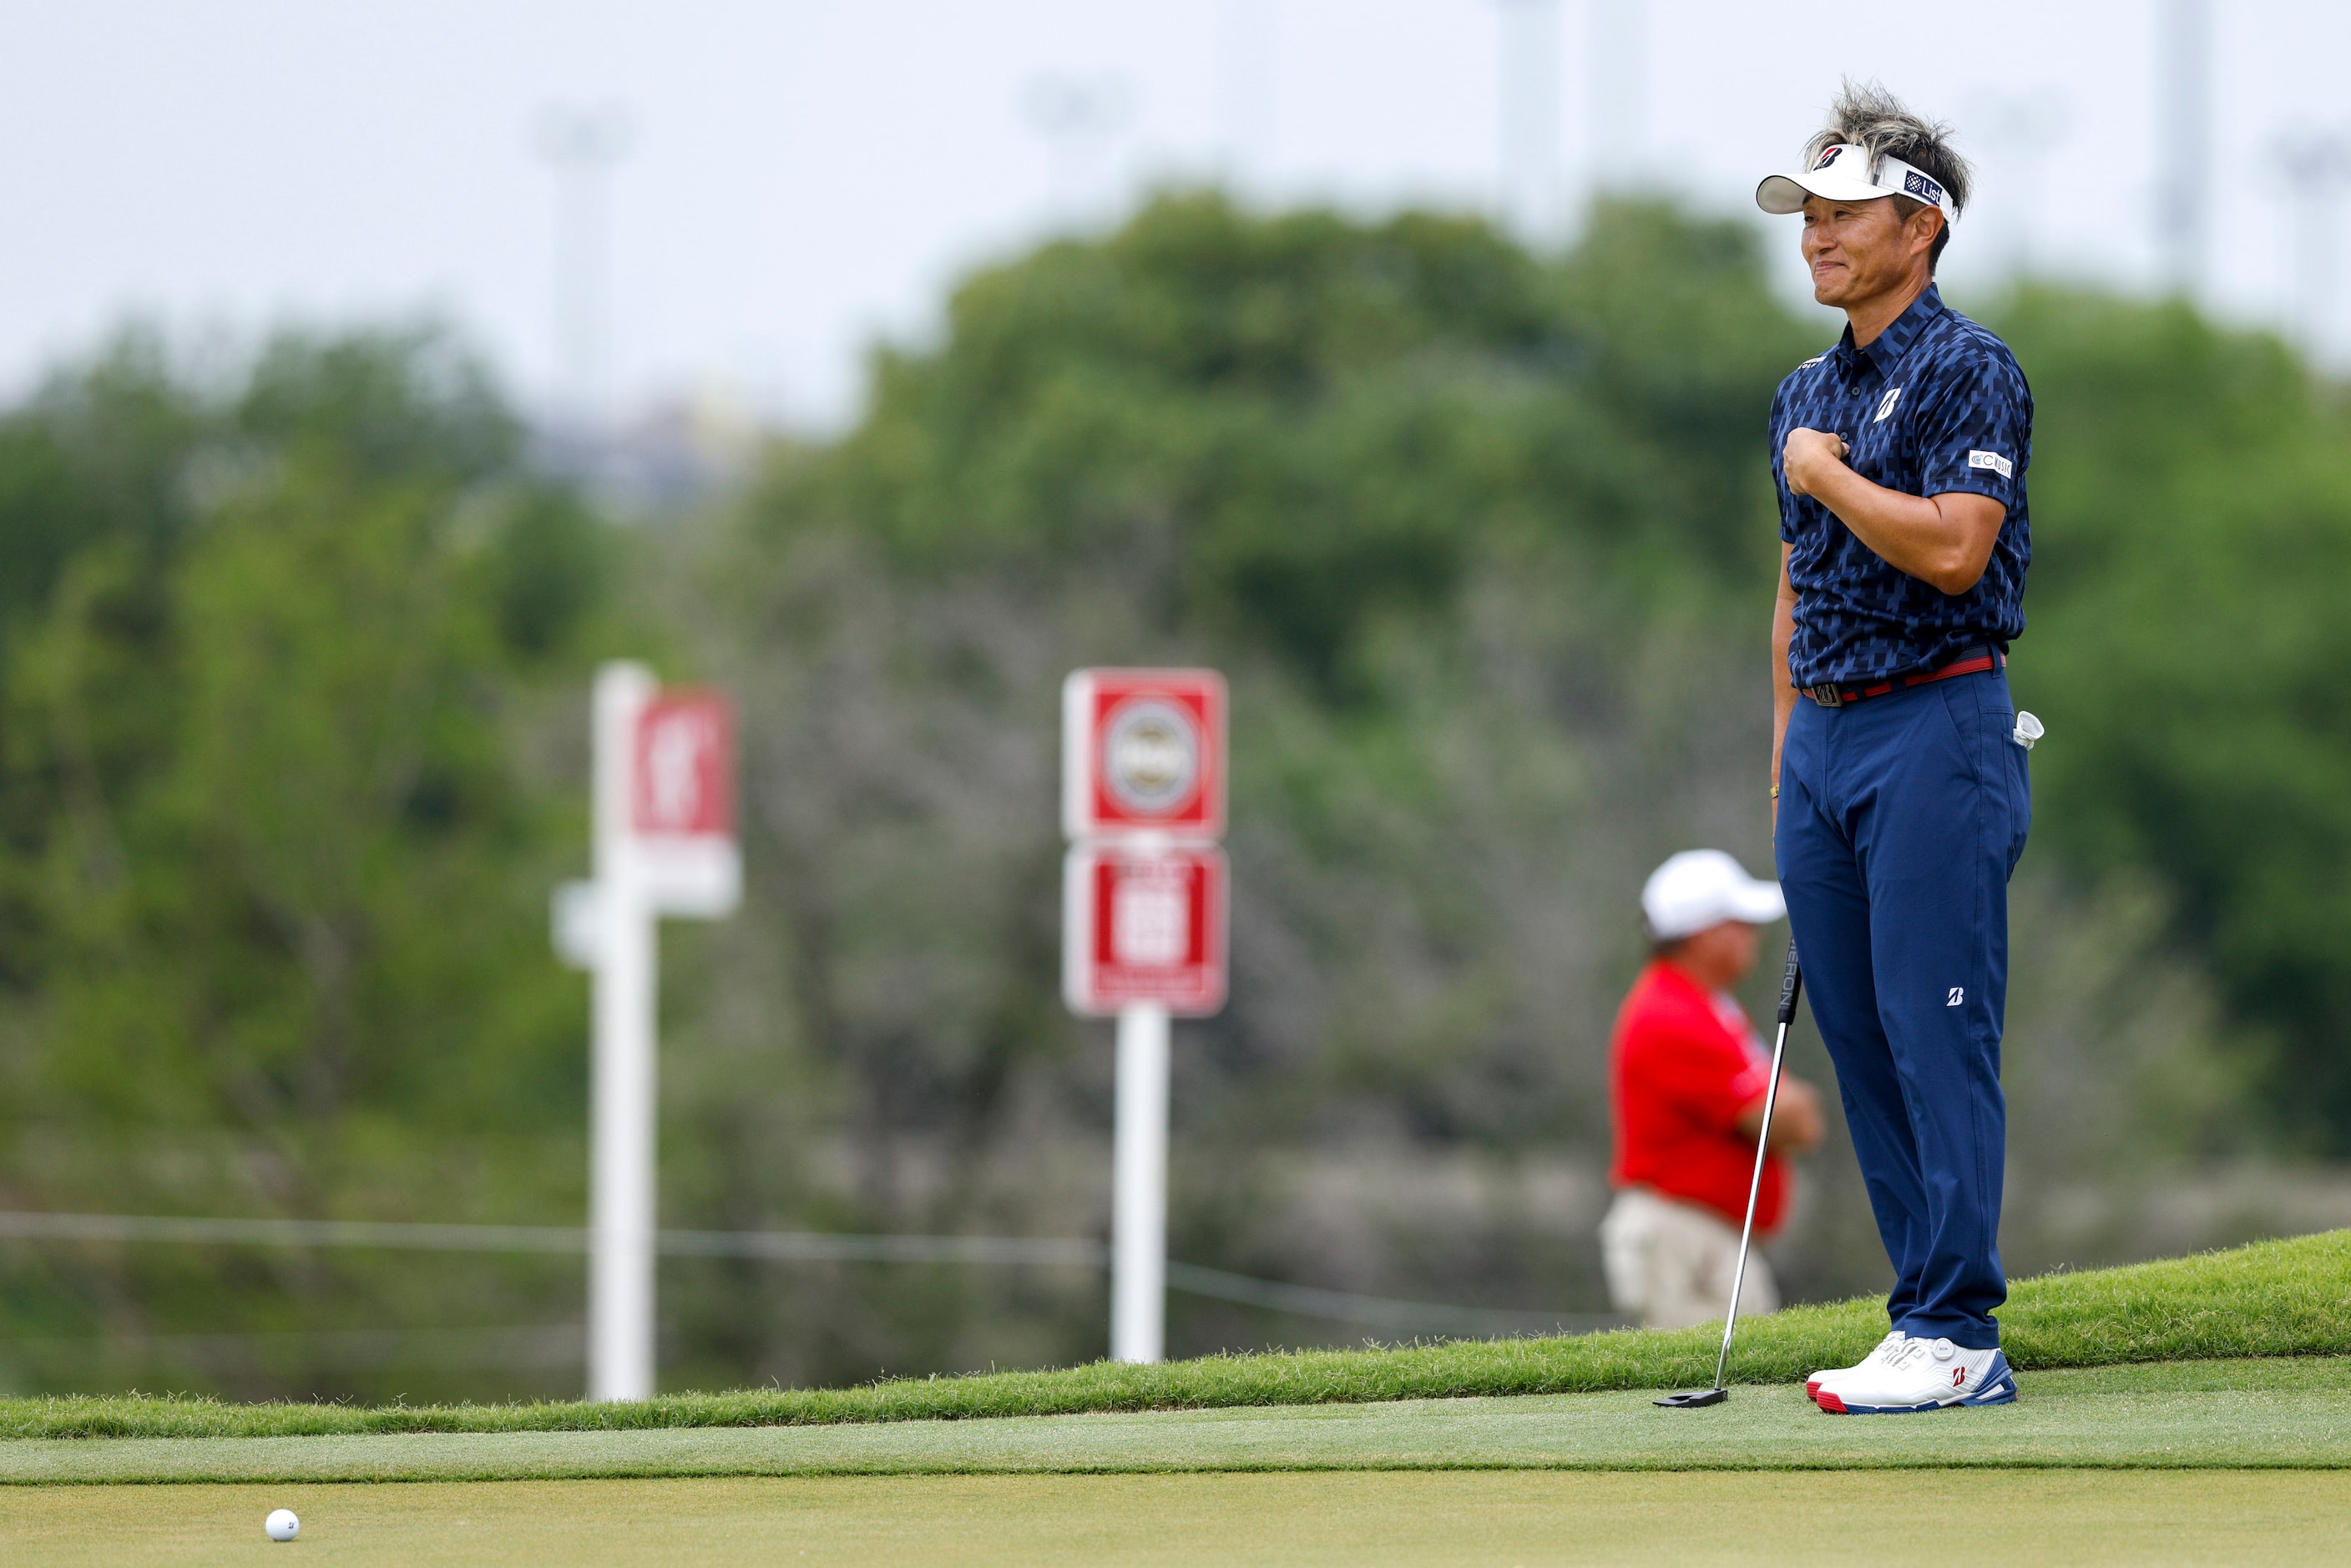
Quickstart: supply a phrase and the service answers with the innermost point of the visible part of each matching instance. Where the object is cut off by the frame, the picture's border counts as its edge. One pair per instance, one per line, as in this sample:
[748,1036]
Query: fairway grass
[2272,1298]
[2284,1413]
[1686,1520]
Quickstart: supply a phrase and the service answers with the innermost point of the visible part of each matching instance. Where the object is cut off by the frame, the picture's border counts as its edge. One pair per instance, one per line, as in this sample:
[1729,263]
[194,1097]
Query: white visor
[1842,173]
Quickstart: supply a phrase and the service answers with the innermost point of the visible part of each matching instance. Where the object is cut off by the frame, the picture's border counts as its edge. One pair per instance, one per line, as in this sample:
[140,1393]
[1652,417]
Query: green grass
[2278,1414]
[2273,1298]
[1686,1520]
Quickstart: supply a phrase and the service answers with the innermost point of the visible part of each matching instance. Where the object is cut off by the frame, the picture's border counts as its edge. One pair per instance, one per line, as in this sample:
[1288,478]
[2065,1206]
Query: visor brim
[1784,194]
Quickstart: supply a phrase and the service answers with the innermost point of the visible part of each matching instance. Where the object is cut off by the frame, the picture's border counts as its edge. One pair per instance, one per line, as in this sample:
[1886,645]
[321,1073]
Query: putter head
[1692,1401]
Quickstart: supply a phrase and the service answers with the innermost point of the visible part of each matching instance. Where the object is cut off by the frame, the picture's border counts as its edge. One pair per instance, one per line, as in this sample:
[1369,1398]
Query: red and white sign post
[664,844]
[1144,920]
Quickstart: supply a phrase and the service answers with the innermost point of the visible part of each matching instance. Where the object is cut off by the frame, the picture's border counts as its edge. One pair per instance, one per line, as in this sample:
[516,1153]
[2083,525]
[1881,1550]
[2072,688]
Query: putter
[1791,986]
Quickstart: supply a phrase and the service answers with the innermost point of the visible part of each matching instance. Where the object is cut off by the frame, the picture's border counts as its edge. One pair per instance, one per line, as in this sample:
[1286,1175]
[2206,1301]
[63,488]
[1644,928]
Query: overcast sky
[803,178]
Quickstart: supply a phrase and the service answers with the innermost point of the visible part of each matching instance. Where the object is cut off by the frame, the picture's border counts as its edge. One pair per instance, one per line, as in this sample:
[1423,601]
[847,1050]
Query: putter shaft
[1791,986]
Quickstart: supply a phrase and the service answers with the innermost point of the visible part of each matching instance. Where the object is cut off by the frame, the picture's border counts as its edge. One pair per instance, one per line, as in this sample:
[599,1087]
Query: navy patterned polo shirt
[1936,403]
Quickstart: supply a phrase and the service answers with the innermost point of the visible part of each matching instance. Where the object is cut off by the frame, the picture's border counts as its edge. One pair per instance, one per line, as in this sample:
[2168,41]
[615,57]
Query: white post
[1138,1275]
[621,1176]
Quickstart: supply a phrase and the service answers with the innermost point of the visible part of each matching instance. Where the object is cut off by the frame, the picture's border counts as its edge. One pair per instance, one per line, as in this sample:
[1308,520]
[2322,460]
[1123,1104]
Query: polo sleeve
[1975,432]
[1704,1077]
[1775,437]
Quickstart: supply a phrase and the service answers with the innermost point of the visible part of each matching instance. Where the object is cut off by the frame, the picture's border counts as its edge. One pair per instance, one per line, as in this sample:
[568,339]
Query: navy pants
[1900,818]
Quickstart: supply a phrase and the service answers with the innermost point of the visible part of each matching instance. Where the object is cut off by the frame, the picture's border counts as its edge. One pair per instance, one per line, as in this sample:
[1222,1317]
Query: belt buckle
[1830,695]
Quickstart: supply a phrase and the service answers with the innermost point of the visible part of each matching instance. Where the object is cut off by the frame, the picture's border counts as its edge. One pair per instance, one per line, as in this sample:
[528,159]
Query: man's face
[1740,940]
[1724,952]
[1859,250]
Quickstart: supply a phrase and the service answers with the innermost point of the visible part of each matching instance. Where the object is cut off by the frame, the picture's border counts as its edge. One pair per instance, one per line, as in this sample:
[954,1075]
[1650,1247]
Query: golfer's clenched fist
[1807,454]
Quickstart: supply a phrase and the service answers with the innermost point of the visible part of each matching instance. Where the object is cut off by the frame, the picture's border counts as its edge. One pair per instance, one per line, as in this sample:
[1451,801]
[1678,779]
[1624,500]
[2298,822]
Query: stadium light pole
[1248,75]
[2317,170]
[582,146]
[2185,111]
[1077,117]
[2022,128]
[1618,94]
[1529,118]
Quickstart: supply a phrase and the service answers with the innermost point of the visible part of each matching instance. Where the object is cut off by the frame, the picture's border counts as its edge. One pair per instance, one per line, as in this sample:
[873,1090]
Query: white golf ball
[281,1524]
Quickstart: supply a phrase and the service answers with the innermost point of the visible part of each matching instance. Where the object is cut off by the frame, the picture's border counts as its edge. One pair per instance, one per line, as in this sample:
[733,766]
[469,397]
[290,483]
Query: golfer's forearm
[1783,695]
[1943,545]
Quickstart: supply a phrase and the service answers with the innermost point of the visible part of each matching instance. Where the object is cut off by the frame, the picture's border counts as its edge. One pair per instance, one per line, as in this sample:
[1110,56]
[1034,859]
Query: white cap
[1699,888]
[1843,174]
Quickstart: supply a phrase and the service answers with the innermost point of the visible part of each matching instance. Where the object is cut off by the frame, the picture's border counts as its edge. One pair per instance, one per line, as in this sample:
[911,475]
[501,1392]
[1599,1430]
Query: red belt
[1837,697]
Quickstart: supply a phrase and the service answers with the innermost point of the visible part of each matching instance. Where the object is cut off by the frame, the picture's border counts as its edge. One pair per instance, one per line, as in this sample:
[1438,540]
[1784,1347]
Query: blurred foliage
[1318,424]
[1320,432]
[292,690]
[269,841]
[274,882]
[2192,495]
[1485,543]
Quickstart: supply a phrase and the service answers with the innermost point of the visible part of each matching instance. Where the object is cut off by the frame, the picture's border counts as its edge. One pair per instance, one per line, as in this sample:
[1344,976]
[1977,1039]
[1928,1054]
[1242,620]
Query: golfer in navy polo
[1901,800]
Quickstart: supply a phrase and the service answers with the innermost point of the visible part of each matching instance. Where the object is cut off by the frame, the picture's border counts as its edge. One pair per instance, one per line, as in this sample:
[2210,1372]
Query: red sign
[1144,926]
[684,766]
[1143,751]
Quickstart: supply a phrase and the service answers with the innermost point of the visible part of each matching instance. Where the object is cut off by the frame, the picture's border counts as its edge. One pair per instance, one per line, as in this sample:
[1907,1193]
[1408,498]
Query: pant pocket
[2020,799]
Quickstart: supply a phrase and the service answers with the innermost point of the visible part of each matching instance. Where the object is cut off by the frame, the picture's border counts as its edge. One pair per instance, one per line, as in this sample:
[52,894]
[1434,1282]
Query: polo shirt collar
[1886,350]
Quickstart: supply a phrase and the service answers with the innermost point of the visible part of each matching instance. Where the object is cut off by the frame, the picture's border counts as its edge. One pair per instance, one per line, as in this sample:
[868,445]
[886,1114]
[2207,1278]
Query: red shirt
[1682,1065]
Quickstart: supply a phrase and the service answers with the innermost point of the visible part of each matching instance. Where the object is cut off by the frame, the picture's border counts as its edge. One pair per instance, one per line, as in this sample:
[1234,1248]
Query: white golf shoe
[1885,1347]
[1920,1374]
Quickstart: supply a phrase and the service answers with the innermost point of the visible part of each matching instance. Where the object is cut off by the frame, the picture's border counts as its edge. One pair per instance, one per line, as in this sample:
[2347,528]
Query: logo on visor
[1828,157]
[1923,188]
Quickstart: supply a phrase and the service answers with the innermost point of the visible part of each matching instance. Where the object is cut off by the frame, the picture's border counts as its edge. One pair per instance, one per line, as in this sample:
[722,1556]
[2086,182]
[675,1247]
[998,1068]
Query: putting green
[2272,1299]
[2270,1414]
[1686,1519]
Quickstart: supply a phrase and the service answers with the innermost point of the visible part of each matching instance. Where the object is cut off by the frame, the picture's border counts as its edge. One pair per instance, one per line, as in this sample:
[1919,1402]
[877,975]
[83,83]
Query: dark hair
[1866,116]
[1664,946]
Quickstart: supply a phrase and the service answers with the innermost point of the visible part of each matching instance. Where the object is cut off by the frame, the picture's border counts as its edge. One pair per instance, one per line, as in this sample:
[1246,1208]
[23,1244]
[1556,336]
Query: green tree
[279,862]
[2192,507]
[292,675]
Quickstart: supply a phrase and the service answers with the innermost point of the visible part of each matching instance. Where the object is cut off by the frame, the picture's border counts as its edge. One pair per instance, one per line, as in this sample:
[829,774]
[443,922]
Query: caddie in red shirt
[1686,1081]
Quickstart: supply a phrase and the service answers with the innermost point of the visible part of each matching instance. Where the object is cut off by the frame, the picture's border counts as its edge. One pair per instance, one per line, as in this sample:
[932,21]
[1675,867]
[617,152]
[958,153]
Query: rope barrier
[1403,1317]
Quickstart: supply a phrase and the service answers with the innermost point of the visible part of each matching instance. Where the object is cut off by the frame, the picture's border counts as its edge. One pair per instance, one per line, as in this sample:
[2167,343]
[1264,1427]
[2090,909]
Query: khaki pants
[1670,1263]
